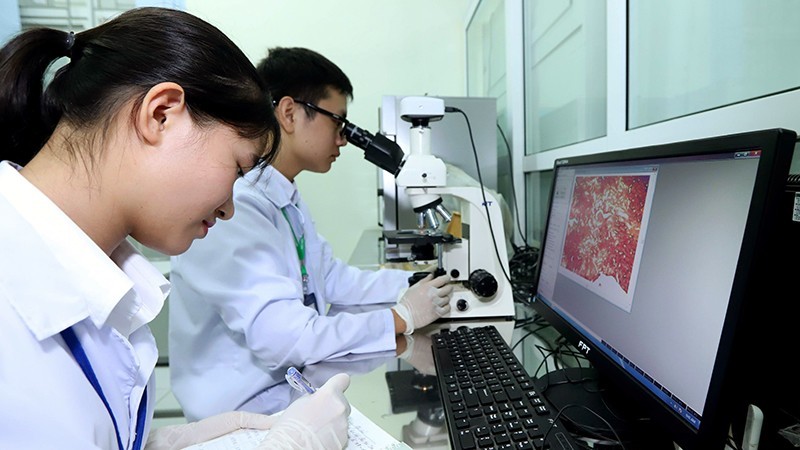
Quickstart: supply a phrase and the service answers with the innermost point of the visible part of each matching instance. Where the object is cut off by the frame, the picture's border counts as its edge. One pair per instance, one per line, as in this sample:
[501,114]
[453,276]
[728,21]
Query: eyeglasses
[341,121]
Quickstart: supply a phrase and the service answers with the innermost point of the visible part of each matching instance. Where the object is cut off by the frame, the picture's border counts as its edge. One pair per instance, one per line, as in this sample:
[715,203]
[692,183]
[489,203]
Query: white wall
[398,47]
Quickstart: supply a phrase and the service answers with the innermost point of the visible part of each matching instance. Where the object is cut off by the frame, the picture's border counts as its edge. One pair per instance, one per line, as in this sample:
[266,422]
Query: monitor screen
[649,264]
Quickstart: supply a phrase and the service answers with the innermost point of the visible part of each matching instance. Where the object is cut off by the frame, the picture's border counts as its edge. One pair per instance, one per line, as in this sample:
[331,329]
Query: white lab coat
[237,319]
[52,276]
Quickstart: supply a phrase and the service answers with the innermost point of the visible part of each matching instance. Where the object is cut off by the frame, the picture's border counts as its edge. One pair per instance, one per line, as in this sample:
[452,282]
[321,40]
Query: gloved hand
[418,353]
[424,302]
[316,421]
[176,437]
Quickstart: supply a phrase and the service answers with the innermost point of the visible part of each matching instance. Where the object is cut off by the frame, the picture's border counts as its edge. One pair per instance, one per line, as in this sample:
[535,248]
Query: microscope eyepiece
[378,149]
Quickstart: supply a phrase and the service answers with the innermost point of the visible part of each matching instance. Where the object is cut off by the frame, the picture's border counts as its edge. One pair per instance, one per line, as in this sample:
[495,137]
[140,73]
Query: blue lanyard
[80,356]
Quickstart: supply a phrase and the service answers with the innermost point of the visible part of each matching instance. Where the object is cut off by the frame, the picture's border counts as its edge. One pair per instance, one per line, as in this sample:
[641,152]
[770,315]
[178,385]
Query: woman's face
[191,186]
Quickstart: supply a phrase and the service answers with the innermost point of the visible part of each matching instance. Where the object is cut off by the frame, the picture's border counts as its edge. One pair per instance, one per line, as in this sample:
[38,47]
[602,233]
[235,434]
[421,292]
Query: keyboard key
[466,440]
[513,392]
[518,436]
[502,438]
[514,425]
[485,442]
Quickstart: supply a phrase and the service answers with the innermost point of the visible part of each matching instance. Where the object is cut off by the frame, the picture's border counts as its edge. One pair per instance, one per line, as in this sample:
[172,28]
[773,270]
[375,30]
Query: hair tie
[70,43]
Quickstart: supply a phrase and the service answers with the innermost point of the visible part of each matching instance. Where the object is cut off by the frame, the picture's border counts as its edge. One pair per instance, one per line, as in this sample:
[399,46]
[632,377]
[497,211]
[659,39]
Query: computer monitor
[655,263]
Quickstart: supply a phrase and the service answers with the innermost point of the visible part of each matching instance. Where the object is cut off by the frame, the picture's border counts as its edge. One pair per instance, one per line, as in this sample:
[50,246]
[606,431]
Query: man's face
[319,137]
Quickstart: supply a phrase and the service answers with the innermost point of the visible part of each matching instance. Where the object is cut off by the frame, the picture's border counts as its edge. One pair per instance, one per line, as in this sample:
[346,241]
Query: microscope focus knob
[482,283]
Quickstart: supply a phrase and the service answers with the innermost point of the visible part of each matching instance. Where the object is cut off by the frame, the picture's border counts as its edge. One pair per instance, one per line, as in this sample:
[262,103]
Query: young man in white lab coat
[250,300]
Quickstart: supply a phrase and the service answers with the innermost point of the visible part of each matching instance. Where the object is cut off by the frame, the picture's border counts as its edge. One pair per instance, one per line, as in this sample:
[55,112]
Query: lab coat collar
[282,192]
[72,278]
[144,301]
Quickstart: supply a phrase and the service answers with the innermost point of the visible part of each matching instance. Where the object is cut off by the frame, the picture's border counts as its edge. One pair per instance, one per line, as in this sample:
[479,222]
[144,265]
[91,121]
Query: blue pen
[298,381]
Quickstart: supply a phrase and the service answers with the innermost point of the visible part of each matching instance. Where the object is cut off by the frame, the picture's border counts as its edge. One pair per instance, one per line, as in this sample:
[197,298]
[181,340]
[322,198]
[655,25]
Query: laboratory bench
[388,390]
[399,398]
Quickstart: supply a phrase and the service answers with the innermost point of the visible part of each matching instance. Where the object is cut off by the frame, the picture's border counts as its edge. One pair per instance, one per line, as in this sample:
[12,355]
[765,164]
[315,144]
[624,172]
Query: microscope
[467,244]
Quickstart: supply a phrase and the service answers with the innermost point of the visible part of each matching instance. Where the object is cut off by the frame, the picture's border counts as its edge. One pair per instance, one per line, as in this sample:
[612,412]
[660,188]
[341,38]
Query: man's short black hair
[302,74]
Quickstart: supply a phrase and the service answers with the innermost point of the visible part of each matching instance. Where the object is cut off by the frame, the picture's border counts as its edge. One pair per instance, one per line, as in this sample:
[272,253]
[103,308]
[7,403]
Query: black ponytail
[27,117]
[118,61]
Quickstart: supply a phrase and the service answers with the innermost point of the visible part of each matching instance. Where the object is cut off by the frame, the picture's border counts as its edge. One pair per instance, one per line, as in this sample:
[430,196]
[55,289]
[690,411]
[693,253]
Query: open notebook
[363,434]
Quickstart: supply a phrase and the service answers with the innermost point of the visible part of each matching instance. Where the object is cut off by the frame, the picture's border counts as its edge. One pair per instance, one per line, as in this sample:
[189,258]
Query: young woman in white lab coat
[256,293]
[141,133]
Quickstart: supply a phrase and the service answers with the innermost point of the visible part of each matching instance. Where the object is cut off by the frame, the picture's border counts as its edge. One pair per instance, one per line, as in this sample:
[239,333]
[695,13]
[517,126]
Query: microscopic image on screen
[605,228]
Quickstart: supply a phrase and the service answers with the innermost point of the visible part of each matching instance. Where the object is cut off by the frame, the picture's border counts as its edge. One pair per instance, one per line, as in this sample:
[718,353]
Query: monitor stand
[583,388]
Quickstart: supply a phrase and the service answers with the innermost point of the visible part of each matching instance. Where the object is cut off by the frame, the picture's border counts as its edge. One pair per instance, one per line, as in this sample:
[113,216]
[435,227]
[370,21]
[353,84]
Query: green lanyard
[300,245]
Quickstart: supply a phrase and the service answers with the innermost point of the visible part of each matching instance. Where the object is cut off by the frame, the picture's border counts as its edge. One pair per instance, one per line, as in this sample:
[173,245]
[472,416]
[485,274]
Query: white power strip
[752,428]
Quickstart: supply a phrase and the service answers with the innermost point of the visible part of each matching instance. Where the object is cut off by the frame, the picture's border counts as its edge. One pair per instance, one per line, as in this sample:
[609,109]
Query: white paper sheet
[363,434]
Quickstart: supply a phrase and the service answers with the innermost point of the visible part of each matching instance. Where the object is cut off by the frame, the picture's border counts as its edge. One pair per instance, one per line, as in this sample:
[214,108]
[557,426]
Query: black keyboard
[489,400]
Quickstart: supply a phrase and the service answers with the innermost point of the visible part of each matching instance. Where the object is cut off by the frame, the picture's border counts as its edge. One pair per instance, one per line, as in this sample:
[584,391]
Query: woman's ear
[286,111]
[163,104]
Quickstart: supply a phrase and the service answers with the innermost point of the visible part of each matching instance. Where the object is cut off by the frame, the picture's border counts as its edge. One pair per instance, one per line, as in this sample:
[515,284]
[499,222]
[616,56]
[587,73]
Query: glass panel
[77,15]
[486,77]
[718,52]
[565,72]
[537,196]
[9,20]
[795,168]
[486,51]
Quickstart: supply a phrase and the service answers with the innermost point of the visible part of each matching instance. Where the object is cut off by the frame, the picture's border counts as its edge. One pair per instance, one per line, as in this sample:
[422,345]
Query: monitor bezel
[743,320]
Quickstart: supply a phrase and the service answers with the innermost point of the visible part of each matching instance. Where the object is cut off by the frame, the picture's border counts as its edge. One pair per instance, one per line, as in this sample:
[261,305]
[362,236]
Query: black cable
[519,297]
[513,189]
[556,355]
[590,432]
[523,263]
[565,407]
[546,354]
[520,340]
[540,325]
[733,444]
[522,268]
[524,322]
[588,429]
[583,445]
[541,320]
[570,351]
[483,190]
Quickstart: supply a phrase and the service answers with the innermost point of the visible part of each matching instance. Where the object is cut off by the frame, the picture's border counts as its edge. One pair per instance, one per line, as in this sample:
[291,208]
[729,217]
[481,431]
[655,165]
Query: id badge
[310,300]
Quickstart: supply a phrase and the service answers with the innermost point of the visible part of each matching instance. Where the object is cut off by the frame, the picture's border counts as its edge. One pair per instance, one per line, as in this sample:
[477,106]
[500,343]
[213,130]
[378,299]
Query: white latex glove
[424,302]
[174,437]
[317,421]
[418,353]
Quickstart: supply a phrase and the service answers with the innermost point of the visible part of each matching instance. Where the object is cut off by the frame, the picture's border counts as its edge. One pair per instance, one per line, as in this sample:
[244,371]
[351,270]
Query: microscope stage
[418,237]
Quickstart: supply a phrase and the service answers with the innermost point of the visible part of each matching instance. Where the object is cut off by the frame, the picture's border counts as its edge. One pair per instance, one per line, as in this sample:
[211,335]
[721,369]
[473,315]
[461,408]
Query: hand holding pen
[298,381]
[313,421]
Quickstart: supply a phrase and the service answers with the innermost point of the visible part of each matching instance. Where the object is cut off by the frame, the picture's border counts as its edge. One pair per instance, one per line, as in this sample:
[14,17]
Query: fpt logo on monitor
[582,347]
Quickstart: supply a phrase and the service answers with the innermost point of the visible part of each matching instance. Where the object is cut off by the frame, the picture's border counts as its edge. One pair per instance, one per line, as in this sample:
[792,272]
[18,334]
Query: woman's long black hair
[121,60]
